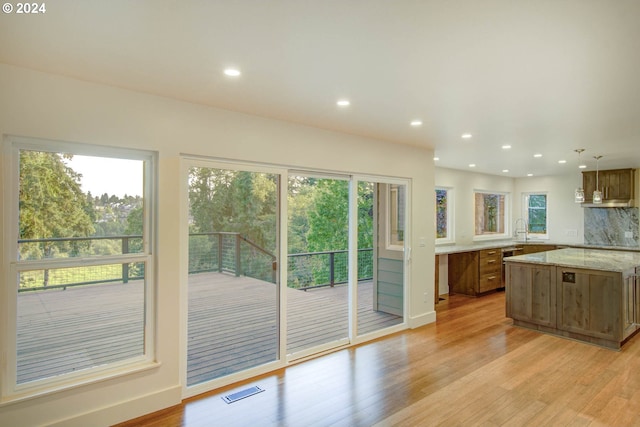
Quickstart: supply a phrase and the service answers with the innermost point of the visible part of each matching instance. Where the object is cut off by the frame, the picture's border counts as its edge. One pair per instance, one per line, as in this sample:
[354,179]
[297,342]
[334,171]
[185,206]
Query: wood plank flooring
[232,324]
[470,368]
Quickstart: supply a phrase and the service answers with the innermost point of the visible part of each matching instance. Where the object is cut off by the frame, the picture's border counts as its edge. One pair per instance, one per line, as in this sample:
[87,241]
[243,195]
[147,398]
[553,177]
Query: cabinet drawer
[490,282]
[490,254]
[488,268]
[490,262]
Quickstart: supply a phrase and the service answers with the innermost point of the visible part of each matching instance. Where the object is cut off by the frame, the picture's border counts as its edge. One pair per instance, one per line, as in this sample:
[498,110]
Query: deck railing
[226,252]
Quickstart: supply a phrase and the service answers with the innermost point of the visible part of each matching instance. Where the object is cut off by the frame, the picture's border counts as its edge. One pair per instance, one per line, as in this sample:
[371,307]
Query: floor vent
[234,397]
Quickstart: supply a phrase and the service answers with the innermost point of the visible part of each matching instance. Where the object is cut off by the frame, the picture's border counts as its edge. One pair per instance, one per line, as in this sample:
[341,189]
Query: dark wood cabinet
[474,273]
[533,248]
[615,184]
[600,307]
[531,295]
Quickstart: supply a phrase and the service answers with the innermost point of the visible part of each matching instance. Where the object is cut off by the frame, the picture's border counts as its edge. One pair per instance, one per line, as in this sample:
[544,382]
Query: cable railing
[223,252]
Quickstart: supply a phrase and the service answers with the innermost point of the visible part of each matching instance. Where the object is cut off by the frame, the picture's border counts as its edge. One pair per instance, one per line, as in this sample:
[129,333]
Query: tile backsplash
[611,226]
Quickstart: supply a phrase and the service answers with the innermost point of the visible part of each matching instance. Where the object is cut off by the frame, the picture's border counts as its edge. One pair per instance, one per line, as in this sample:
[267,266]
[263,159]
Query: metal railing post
[238,265]
[125,266]
[332,272]
[220,249]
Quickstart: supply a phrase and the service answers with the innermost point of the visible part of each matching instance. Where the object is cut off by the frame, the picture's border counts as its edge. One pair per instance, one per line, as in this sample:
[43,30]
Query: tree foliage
[51,202]
[234,201]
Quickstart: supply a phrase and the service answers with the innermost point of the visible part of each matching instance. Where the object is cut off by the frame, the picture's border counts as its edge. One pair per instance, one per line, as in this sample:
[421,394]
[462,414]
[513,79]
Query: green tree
[328,217]
[51,202]
[299,202]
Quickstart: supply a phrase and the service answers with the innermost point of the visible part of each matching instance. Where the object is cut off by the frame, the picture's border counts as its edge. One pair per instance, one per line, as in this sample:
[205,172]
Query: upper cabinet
[616,185]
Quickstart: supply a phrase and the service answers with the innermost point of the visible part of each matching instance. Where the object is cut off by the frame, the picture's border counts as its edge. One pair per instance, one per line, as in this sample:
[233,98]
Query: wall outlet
[628,234]
[571,233]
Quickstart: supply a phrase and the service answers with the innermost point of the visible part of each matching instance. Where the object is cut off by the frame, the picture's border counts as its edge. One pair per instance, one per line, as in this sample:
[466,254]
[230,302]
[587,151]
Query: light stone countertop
[592,259]
[452,249]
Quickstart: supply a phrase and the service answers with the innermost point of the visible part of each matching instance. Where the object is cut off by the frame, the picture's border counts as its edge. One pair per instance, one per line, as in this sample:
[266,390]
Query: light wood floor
[472,367]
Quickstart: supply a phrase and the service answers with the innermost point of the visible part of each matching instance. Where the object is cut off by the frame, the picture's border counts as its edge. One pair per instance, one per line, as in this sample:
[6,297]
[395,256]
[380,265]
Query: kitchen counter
[499,244]
[596,259]
[590,295]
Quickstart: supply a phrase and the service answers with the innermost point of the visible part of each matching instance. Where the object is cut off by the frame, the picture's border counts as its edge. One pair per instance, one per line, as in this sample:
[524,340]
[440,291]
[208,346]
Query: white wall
[46,106]
[565,217]
[464,184]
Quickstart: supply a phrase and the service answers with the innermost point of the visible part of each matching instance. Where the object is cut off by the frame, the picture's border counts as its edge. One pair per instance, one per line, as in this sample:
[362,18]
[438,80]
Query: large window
[536,214]
[80,262]
[444,215]
[490,214]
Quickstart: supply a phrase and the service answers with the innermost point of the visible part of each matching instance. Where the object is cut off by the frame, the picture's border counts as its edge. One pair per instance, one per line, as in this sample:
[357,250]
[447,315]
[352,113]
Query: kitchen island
[584,294]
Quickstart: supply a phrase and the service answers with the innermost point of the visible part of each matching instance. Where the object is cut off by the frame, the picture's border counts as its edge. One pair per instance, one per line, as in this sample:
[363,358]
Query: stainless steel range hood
[611,204]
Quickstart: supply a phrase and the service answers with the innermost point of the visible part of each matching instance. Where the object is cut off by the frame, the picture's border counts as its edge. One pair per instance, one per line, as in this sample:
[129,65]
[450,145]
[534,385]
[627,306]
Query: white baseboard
[124,411]
[423,319]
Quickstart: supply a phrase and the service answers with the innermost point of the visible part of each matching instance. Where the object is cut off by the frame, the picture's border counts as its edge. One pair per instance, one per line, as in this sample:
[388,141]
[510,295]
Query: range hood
[611,204]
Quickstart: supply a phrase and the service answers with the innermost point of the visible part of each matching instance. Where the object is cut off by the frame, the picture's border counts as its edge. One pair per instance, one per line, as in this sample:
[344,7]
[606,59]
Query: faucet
[524,230]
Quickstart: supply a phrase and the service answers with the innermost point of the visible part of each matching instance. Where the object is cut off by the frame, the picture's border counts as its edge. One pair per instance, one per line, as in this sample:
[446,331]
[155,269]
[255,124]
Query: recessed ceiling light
[505,170]
[466,136]
[343,103]
[416,123]
[562,162]
[232,72]
[529,174]
[537,155]
[582,166]
[436,159]
[472,165]
[506,147]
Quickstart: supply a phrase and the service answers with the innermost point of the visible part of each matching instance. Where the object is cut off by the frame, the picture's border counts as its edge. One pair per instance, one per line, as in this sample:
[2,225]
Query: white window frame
[507,217]
[12,266]
[450,238]
[395,217]
[525,214]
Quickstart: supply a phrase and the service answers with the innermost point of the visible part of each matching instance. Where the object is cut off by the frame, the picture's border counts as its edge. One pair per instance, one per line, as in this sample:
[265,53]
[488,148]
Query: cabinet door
[618,184]
[615,184]
[463,273]
[589,303]
[589,185]
[630,305]
[531,293]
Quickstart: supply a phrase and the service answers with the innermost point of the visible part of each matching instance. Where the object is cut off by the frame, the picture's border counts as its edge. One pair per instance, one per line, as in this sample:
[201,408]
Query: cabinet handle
[491,277]
[491,253]
[491,261]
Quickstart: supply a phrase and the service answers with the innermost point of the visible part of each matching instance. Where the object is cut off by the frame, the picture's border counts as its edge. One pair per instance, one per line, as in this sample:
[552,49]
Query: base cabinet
[476,272]
[599,307]
[590,303]
[531,294]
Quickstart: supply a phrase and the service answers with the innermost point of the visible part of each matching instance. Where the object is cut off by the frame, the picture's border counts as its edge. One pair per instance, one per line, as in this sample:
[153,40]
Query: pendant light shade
[597,194]
[579,193]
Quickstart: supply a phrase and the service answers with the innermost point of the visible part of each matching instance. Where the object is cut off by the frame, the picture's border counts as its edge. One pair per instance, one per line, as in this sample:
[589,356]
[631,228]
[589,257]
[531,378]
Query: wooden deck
[232,324]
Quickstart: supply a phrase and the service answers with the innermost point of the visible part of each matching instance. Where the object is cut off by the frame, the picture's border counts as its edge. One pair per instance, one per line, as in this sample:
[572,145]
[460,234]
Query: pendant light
[579,193]
[597,194]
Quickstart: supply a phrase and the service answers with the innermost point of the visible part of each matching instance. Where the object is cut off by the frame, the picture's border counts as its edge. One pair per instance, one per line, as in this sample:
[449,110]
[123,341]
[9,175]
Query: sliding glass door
[233,294]
[318,264]
[381,255]
[344,269]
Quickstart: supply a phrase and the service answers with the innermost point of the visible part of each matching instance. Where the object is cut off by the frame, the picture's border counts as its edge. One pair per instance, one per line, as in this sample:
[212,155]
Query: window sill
[491,237]
[106,375]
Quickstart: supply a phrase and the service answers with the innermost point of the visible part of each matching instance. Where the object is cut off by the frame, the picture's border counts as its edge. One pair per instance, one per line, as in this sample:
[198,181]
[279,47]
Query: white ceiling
[544,76]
